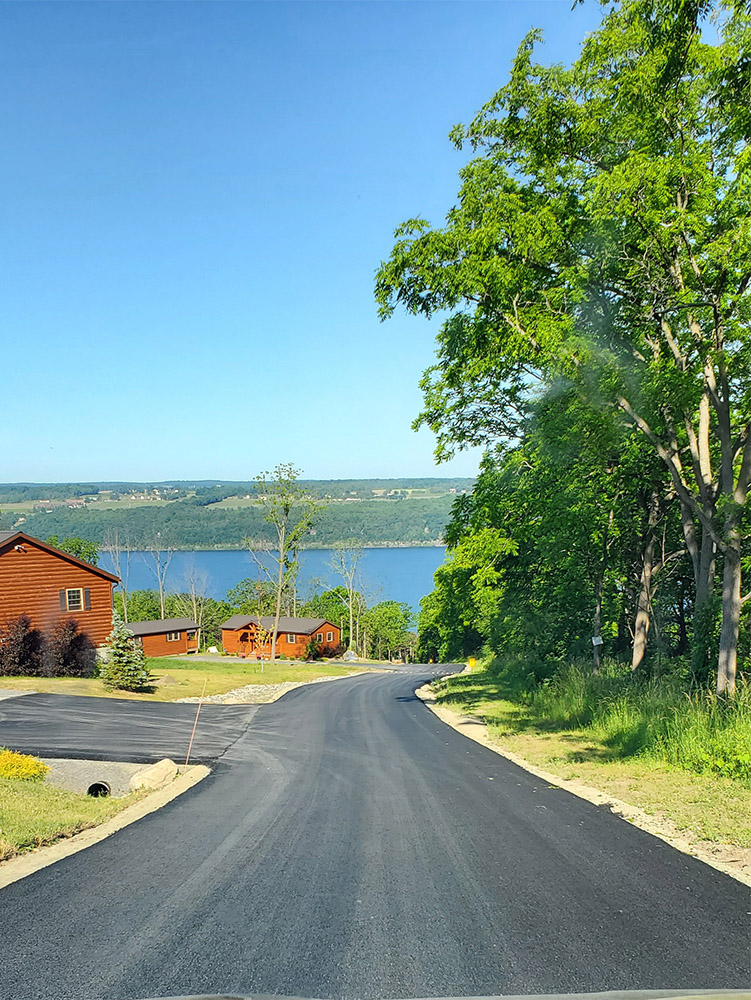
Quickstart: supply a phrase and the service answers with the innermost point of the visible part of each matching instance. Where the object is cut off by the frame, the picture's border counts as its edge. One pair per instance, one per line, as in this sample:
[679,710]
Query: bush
[21,766]
[70,652]
[312,651]
[21,648]
[125,667]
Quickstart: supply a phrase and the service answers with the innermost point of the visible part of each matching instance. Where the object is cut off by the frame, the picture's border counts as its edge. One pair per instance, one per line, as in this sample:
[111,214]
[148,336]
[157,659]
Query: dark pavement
[52,725]
[348,844]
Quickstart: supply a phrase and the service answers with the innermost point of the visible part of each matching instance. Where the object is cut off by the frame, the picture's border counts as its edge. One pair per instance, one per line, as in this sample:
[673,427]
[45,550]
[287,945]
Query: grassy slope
[183,678]
[34,813]
[709,806]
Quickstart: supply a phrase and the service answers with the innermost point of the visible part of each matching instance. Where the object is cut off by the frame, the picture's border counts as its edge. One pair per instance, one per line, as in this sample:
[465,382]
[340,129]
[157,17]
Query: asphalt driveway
[348,844]
[53,725]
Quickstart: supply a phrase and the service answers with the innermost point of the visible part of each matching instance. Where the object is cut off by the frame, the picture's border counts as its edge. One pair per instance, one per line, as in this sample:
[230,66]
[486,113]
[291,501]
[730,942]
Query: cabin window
[74,600]
[173,636]
[244,637]
[191,635]
[329,637]
[319,637]
[291,638]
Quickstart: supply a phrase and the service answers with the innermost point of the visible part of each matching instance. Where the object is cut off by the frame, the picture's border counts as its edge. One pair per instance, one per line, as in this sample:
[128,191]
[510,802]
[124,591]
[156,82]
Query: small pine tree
[125,667]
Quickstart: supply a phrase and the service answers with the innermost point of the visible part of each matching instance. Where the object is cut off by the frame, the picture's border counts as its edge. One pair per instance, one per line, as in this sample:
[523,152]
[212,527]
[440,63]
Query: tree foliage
[125,667]
[21,648]
[81,548]
[602,240]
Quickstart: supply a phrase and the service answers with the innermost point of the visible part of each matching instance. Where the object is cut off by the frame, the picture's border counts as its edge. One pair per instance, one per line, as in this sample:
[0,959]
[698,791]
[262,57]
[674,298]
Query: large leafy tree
[602,235]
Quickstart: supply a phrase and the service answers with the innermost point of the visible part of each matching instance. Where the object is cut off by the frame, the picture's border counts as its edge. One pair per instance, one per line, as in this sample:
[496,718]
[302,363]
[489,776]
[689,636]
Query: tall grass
[630,716]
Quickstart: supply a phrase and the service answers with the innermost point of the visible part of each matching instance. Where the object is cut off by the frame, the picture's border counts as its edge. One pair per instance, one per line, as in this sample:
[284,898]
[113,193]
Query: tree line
[596,272]
[201,524]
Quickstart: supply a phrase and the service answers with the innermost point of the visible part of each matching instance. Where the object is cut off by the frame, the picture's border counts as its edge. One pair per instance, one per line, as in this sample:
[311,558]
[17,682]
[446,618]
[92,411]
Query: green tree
[81,548]
[143,605]
[125,667]
[603,236]
[291,511]
[387,624]
[252,597]
[332,606]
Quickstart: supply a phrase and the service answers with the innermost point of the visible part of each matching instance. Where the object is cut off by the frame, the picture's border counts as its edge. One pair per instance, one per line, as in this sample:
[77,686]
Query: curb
[16,868]
[475,730]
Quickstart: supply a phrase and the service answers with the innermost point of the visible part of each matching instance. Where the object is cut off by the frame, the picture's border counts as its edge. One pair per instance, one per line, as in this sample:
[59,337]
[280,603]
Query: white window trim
[173,636]
[319,636]
[329,637]
[291,638]
[74,590]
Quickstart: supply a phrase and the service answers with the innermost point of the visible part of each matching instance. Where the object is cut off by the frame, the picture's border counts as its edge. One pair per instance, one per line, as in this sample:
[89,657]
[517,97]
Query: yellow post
[471,662]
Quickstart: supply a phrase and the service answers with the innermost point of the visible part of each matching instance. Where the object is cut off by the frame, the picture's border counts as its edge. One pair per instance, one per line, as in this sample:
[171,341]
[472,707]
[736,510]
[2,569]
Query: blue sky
[195,199]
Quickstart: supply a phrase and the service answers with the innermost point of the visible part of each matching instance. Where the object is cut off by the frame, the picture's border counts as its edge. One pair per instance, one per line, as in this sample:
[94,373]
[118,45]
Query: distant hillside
[178,488]
[374,512]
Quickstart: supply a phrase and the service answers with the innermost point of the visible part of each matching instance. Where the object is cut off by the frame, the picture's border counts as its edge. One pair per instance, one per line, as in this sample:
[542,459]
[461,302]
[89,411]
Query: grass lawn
[33,813]
[708,806]
[183,677]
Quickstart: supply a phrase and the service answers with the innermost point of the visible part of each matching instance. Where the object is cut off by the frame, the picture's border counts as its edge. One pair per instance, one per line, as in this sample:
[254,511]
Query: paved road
[348,844]
[52,725]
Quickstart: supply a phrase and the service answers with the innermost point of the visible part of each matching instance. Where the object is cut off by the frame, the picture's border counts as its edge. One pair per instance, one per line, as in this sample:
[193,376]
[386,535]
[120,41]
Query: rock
[212,649]
[349,656]
[154,776]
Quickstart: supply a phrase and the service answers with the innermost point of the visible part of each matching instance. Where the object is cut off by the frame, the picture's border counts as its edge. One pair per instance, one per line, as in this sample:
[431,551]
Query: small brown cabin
[49,586]
[166,636]
[248,635]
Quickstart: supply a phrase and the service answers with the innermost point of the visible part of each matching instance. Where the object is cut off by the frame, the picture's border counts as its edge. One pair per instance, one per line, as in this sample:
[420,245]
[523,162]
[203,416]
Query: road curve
[348,844]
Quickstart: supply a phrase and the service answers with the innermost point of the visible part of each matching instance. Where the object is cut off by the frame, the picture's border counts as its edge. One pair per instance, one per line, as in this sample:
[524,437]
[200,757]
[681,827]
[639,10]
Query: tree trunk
[643,604]
[596,655]
[731,608]
[279,588]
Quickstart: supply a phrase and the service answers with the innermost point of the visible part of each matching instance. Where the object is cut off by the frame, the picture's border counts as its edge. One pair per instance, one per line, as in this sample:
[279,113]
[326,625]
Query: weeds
[626,715]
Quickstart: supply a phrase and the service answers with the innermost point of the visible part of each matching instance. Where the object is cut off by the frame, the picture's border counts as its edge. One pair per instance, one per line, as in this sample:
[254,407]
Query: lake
[386,574]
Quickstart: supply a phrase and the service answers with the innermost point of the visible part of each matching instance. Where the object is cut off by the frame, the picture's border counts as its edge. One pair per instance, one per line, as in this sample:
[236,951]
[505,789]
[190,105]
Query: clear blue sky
[195,199]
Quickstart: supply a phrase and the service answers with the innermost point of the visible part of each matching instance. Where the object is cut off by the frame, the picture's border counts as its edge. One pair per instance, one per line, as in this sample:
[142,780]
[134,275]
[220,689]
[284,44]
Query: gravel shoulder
[261,694]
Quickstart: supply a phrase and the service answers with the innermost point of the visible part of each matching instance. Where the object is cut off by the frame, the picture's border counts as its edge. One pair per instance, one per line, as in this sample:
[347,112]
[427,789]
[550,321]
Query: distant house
[166,636]
[49,586]
[247,635]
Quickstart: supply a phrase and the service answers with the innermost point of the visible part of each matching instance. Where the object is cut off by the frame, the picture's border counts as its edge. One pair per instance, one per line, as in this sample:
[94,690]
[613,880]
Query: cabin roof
[160,625]
[299,626]
[10,538]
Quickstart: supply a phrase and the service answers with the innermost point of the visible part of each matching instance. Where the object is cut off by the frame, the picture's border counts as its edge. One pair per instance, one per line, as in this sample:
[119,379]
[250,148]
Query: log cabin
[166,636]
[249,636]
[49,586]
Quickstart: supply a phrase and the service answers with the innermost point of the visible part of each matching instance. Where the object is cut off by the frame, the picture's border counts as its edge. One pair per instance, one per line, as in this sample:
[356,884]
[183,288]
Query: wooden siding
[234,643]
[159,645]
[30,584]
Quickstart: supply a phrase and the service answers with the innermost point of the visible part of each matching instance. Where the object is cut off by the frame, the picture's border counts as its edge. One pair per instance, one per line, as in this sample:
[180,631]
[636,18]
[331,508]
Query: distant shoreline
[303,548]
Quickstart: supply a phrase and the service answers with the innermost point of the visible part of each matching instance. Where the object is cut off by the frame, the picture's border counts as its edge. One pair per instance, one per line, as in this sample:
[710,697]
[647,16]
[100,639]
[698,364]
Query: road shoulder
[731,860]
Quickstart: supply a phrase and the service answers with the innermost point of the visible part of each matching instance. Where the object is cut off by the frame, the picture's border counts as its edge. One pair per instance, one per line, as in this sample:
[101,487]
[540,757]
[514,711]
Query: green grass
[183,677]
[650,744]
[33,813]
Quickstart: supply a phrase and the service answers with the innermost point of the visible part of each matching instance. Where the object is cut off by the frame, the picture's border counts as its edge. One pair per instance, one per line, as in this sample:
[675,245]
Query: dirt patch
[728,858]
